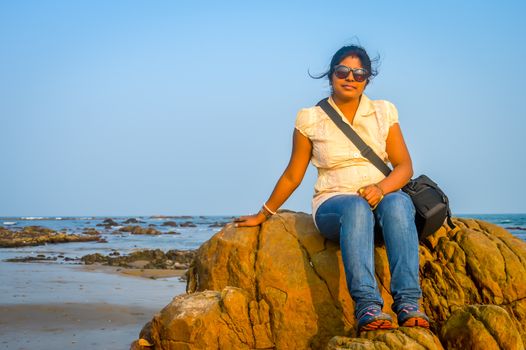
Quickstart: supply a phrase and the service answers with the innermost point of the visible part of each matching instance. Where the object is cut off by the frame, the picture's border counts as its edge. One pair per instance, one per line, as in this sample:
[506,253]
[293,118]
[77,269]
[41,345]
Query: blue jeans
[349,220]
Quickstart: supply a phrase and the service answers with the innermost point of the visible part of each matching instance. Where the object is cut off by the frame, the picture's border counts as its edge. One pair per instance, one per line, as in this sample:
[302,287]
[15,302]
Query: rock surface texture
[282,286]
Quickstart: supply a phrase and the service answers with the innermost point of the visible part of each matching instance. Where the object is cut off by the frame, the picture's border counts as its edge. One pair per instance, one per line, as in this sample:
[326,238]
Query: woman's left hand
[373,194]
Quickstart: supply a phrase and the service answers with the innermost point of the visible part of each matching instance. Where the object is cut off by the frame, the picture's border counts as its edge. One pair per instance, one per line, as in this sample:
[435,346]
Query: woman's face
[348,88]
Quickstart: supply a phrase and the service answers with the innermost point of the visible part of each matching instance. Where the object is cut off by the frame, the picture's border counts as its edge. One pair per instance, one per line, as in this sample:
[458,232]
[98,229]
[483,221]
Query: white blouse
[341,167]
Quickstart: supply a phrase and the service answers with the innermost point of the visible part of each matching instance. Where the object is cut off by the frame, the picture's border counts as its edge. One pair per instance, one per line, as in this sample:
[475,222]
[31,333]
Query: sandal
[372,318]
[410,316]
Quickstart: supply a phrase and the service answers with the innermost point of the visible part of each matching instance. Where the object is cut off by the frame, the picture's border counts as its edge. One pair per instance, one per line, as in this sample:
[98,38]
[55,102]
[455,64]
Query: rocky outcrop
[201,317]
[37,235]
[170,223]
[145,259]
[187,224]
[400,339]
[487,327]
[150,230]
[138,230]
[282,286]
[108,223]
[133,221]
[90,231]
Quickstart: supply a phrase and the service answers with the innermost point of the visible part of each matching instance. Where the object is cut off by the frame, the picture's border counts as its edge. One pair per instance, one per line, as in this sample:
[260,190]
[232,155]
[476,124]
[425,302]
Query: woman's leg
[396,216]
[348,219]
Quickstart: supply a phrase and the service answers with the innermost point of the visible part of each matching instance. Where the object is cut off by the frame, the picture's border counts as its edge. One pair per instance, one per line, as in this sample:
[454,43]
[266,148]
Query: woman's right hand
[250,220]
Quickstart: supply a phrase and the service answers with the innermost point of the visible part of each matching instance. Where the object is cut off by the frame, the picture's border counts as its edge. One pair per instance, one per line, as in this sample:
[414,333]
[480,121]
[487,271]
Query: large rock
[403,338]
[282,286]
[480,264]
[487,327]
[223,320]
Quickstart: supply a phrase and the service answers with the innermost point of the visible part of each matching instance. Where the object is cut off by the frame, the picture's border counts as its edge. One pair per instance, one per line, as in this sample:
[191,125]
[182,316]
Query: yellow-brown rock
[211,320]
[282,286]
[480,264]
[403,338]
[487,327]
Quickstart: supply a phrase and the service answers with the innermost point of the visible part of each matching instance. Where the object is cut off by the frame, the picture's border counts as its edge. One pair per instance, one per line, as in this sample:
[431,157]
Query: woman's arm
[402,168]
[289,180]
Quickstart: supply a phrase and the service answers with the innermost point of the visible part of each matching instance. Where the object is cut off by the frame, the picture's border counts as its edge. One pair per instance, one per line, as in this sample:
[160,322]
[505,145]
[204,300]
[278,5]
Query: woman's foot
[410,316]
[372,318]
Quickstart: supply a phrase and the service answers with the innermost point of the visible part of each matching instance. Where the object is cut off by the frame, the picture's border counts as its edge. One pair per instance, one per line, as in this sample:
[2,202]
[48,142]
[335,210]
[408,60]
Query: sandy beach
[54,306]
[91,294]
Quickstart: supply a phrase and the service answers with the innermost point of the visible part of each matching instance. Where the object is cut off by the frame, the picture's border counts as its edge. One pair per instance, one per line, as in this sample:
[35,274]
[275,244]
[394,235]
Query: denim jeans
[349,220]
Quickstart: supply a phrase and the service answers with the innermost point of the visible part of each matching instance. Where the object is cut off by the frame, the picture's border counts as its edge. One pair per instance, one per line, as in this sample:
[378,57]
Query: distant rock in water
[39,257]
[170,223]
[108,223]
[138,230]
[171,217]
[133,221]
[90,231]
[37,235]
[146,259]
[281,285]
[188,224]
[115,253]
[516,228]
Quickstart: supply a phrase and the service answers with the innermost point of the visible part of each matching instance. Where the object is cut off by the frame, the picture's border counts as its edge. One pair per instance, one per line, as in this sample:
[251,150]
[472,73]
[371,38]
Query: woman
[351,194]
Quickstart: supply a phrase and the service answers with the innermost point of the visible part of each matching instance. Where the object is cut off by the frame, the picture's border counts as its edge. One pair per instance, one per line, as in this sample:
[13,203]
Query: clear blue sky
[172,107]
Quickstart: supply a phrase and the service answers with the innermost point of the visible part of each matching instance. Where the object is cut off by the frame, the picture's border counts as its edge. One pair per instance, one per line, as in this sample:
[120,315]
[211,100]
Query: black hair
[346,51]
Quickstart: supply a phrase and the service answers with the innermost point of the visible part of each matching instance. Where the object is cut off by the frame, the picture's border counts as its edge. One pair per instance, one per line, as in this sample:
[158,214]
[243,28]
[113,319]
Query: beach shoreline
[71,325]
[80,306]
[131,272]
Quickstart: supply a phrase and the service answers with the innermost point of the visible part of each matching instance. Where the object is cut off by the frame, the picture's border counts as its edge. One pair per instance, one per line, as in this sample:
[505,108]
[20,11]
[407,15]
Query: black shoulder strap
[365,150]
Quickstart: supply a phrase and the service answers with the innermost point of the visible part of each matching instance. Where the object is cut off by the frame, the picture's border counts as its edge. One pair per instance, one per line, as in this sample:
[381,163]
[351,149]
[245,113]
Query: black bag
[431,203]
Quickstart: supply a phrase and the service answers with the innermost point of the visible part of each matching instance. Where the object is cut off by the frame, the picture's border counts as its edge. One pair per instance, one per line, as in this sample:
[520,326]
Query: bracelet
[265,213]
[267,209]
[378,187]
[381,196]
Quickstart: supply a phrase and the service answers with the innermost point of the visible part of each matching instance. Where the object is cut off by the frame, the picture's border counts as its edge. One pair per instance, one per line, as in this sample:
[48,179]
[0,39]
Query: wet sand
[71,325]
[145,273]
[52,306]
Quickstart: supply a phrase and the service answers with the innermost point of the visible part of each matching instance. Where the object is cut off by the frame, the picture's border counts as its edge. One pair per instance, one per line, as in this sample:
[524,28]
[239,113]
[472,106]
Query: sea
[514,223]
[195,231]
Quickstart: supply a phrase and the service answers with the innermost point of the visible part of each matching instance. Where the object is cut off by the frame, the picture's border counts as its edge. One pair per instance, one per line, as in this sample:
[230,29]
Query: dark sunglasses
[359,74]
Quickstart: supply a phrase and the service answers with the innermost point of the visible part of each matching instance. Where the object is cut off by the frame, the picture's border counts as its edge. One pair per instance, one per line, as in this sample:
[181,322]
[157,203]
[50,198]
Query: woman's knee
[329,225]
[397,204]
[355,206]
